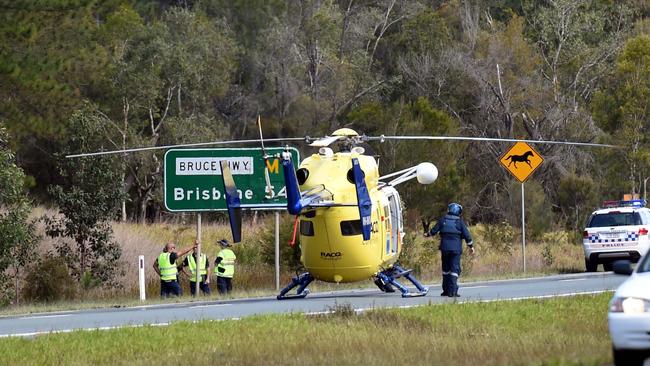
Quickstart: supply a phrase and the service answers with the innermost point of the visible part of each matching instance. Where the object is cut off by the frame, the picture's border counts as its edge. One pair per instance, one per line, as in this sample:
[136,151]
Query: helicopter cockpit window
[306,228]
[302,174]
[350,228]
[310,214]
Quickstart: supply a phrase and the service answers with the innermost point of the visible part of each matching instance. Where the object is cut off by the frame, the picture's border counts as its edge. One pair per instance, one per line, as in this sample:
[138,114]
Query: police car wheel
[627,357]
[608,267]
[591,266]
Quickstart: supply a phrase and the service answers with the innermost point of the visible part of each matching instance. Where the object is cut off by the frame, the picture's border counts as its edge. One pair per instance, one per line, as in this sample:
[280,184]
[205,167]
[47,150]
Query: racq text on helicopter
[350,218]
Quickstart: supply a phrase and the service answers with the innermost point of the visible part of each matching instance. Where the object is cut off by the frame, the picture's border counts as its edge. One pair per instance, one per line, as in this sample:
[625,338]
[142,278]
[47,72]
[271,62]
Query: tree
[577,40]
[577,195]
[48,59]
[17,231]
[87,199]
[168,72]
[623,108]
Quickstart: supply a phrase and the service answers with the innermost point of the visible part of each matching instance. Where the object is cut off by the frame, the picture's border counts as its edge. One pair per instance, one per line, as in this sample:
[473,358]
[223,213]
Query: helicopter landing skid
[387,278]
[302,281]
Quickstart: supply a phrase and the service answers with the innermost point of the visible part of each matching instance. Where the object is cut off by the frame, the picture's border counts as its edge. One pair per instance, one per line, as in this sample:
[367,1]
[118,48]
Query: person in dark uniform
[165,266]
[205,270]
[452,231]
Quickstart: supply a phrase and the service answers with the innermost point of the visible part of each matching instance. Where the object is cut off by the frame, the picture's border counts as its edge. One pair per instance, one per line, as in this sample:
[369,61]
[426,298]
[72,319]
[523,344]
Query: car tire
[591,266]
[625,357]
[608,267]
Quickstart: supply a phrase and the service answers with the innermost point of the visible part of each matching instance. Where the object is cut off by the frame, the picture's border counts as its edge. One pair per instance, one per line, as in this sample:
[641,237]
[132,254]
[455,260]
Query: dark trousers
[224,284]
[205,288]
[170,288]
[450,271]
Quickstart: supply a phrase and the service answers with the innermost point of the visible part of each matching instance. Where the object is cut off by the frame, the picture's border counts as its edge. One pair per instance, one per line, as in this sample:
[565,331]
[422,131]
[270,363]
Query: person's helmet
[223,242]
[454,209]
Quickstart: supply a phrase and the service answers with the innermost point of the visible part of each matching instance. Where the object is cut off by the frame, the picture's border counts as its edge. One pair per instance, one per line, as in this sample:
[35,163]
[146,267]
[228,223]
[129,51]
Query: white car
[629,314]
[619,231]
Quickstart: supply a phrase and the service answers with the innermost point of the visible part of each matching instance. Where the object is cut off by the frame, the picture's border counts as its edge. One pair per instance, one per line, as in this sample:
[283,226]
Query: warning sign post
[521,160]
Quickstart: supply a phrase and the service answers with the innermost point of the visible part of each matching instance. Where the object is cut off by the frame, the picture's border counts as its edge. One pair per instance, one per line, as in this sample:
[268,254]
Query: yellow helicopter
[350,217]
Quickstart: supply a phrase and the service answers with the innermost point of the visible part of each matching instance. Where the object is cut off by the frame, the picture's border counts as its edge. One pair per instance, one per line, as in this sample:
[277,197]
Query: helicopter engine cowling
[426,173]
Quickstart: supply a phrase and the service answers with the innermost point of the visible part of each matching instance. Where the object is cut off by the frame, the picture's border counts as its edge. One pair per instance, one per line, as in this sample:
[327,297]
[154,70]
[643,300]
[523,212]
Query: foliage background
[152,73]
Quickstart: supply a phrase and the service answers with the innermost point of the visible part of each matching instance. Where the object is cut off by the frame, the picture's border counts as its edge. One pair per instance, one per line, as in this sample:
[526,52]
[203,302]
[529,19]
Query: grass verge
[562,331]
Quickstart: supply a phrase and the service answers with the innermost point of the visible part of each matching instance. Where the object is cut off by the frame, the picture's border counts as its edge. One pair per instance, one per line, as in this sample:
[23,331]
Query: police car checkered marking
[595,238]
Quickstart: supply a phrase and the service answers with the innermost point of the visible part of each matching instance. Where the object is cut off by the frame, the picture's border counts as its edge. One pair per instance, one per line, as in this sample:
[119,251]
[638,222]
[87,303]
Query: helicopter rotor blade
[212,143]
[363,199]
[233,203]
[269,187]
[325,141]
[382,138]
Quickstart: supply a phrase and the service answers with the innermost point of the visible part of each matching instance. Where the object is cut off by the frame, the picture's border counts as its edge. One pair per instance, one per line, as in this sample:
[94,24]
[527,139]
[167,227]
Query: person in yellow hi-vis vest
[225,264]
[205,270]
[165,266]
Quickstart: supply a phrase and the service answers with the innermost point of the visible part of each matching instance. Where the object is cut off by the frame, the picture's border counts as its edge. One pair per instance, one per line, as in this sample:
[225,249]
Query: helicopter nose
[426,173]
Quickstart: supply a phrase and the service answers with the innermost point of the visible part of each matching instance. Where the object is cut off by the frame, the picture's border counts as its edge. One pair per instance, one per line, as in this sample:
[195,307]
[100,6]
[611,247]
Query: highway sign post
[193,183]
[521,160]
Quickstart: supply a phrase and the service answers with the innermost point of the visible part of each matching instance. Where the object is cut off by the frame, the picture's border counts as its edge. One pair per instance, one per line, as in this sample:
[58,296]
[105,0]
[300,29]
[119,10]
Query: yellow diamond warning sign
[521,160]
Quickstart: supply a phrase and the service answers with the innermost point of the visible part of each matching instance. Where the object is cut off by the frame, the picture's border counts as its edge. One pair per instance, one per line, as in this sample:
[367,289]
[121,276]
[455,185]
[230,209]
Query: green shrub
[547,255]
[419,253]
[498,238]
[289,255]
[49,280]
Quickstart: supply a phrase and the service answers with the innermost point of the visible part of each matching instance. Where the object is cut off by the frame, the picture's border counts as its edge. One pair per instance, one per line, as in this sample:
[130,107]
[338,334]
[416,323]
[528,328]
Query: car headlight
[629,305]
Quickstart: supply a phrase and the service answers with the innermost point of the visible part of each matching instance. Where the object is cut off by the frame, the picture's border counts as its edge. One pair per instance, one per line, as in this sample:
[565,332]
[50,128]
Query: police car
[619,230]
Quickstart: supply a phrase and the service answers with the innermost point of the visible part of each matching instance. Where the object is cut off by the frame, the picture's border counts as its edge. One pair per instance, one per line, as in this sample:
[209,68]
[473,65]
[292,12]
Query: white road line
[536,297]
[361,310]
[573,280]
[465,287]
[44,316]
[208,306]
[81,329]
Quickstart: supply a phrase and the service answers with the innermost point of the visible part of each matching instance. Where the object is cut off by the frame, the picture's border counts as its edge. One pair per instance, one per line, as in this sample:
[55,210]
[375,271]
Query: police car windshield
[615,219]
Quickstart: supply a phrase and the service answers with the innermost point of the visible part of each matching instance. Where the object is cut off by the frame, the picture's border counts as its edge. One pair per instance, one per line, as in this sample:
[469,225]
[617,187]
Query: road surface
[360,300]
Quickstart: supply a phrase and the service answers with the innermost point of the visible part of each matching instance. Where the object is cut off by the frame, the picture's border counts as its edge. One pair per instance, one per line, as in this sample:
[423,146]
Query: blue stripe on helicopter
[363,198]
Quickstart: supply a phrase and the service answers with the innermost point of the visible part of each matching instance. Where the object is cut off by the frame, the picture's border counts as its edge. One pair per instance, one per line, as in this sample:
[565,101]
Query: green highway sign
[193,178]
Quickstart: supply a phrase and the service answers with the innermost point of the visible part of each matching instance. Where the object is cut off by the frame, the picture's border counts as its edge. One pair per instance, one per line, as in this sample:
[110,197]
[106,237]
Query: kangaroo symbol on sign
[520,158]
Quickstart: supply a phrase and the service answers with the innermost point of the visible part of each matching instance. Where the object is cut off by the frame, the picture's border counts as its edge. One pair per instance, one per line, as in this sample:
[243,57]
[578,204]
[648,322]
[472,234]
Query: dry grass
[495,259]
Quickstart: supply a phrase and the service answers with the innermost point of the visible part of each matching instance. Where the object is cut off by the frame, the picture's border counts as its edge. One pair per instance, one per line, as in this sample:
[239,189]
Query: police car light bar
[629,203]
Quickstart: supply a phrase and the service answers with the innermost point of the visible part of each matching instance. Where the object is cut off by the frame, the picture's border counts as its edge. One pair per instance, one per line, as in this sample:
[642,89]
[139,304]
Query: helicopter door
[395,221]
[387,229]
